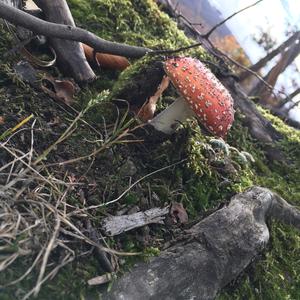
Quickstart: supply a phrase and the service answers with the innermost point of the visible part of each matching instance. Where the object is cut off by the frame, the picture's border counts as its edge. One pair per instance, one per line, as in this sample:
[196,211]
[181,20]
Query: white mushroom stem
[176,113]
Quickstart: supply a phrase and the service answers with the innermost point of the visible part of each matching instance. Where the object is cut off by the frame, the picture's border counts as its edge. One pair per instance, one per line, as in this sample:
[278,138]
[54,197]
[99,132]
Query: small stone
[128,168]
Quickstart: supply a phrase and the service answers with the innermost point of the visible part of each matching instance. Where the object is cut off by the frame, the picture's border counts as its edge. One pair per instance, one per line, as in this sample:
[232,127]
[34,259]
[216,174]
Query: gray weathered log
[118,224]
[13,3]
[215,251]
[70,54]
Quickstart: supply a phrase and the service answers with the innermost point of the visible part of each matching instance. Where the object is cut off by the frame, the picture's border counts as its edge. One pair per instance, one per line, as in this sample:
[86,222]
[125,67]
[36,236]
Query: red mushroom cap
[204,93]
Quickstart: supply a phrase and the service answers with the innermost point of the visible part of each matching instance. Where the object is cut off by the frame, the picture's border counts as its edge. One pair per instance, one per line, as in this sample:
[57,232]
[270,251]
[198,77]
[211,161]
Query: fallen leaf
[62,90]
[108,61]
[178,213]
[65,90]
[2,121]
[146,112]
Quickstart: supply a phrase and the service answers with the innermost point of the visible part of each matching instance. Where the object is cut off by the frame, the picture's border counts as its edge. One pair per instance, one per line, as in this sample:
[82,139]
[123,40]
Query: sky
[268,14]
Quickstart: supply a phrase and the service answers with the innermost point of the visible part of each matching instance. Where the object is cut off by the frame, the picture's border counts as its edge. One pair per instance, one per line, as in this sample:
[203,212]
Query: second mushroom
[202,95]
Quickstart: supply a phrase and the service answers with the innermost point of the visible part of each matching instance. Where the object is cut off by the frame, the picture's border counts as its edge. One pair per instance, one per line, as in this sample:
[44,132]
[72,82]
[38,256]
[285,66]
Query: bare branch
[207,35]
[38,26]
[295,104]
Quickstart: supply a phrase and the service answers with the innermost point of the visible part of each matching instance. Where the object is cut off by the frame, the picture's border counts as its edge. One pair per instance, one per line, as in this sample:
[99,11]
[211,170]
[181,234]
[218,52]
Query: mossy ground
[204,180]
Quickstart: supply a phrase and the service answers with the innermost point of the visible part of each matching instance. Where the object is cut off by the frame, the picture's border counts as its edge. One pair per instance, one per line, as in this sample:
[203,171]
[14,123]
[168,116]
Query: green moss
[276,275]
[204,179]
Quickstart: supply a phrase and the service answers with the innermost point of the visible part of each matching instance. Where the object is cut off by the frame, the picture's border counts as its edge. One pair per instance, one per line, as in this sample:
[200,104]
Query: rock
[128,168]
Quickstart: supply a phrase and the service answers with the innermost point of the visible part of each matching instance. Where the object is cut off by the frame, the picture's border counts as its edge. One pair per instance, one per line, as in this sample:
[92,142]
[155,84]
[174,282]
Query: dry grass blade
[46,256]
[36,218]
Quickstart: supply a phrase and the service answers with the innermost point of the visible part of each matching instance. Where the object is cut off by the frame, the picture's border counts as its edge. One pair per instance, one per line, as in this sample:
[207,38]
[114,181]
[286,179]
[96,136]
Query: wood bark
[214,252]
[259,127]
[70,54]
[13,3]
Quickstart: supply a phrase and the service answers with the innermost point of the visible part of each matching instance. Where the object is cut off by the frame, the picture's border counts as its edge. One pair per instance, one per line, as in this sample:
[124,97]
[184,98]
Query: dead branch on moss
[68,32]
[70,55]
[213,252]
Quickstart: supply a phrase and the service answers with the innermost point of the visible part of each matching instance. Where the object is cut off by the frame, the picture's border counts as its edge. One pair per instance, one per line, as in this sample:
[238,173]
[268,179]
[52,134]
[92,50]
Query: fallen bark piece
[118,224]
[214,252]
[101,279]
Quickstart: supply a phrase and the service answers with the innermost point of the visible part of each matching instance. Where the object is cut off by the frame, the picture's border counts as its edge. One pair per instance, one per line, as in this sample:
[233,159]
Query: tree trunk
[286,59]
[261,63]
[70,55]
[213,253]
[259,127]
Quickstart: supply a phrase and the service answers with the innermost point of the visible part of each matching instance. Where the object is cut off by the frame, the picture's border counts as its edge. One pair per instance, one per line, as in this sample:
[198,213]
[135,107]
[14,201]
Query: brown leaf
[147,111]
[2,120]
[65,90]
[178,213]
[108,61]
[62,90]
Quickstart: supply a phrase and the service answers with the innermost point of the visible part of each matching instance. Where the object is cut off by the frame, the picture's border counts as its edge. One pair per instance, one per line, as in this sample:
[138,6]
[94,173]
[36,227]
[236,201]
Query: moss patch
[206,176]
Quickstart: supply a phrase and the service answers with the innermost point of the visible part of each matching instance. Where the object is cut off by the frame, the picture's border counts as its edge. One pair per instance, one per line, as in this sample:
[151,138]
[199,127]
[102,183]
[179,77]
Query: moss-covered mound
[101,152]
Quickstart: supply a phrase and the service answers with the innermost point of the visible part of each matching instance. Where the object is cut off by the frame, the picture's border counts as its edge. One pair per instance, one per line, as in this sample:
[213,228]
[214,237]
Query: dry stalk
[34,211]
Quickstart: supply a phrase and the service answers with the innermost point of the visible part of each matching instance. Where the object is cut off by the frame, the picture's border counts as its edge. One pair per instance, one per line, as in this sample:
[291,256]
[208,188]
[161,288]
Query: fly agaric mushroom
[202,95]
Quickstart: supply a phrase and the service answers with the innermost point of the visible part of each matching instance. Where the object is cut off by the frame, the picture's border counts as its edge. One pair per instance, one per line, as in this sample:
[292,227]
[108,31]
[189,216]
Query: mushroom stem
[176,113]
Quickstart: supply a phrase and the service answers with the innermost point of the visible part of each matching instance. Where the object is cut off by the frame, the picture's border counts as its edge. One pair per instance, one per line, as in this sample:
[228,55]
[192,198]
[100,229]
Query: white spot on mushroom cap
[195,82]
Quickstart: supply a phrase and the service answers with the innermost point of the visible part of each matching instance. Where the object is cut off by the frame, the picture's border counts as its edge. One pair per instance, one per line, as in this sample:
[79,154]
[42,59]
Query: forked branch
[38,26]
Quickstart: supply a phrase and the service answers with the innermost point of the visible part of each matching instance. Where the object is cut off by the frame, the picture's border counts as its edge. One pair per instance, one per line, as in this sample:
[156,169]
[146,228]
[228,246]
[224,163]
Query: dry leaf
[62,90]
[2,120]
[65,90]
[147,111]
[108,61]
[178,213]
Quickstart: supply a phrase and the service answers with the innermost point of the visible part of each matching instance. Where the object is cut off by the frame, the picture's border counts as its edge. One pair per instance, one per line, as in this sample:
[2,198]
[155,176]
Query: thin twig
[131,186]
[38,26]
[207,35]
